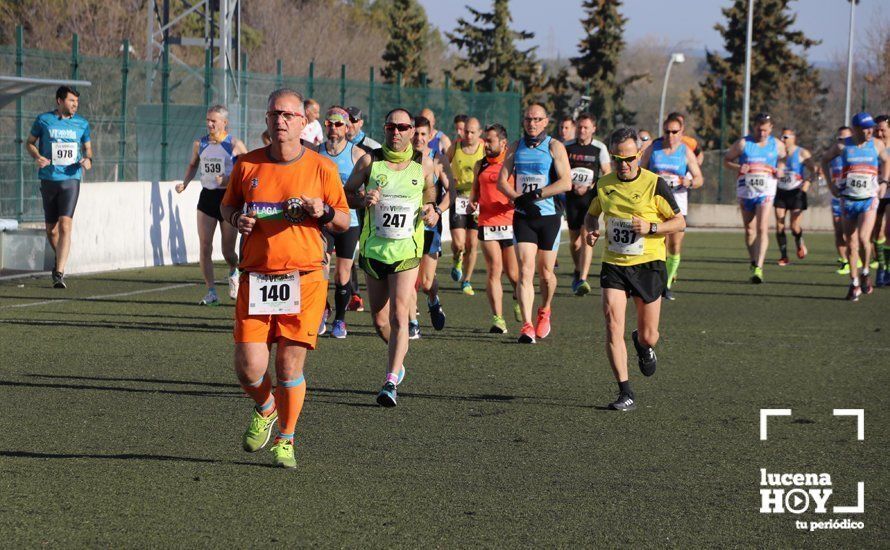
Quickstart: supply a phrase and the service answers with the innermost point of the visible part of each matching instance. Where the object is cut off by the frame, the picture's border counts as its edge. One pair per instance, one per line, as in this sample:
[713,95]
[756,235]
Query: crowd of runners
[322,200]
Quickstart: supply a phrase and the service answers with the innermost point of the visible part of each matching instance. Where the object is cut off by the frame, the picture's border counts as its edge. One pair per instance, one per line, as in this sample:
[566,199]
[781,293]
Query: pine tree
[597,65]
[560,94]
[405,50]
[783,83]
[489,47]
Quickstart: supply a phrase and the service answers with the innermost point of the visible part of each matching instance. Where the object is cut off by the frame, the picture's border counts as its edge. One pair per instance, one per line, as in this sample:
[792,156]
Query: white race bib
[673,180]
[212,166]
[760,184]
[859,186]
[497,232]
[789,182]
[526,183]
[64,153]
[462,206]
[622,237]
[394,218]
[582,177]
[274,294]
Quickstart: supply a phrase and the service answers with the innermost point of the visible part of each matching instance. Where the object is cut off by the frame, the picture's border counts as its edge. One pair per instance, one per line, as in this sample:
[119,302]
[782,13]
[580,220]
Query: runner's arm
[31,147]
[827,157]
[563,184]
[238,148]
[692,165]
[782,154]
[445,141]
[605,162]
[811,169]
[191,169]
[474,193]
[445,179]
[733,154]
[353,186]
[504,176]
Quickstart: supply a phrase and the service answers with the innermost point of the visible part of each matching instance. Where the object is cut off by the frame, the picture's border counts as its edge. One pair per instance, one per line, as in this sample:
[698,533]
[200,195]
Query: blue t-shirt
[61,141]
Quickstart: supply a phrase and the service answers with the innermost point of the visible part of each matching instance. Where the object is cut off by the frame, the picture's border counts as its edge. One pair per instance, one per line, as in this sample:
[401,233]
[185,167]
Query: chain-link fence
[145,116]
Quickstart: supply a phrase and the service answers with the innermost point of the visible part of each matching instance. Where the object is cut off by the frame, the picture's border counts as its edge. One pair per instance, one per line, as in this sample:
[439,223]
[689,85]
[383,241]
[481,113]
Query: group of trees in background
[484,52]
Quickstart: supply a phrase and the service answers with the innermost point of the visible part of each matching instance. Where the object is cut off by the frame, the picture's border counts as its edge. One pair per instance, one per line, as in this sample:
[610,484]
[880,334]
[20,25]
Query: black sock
[342,294]
[624,387]
[577,274]
[783,243]
[797,237]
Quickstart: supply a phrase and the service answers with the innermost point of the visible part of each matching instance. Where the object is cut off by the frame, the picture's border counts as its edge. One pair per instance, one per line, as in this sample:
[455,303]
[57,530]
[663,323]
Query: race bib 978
[64,153]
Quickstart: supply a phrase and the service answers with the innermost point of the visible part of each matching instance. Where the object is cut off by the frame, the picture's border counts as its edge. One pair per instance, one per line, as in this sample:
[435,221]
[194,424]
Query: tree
[405,51]
[597,64]
[489,47]
[783,83]
[560,93]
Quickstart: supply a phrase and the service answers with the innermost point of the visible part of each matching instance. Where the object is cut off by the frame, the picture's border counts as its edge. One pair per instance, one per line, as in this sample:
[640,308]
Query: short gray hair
[620,135]
[220,110]
[281,92]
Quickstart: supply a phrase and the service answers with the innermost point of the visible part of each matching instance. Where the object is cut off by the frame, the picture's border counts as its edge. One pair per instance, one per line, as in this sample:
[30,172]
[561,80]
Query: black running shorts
[576,208]
[540,230]
[209,201]
[793,199]
[646,280]
[344,243]
[59,198]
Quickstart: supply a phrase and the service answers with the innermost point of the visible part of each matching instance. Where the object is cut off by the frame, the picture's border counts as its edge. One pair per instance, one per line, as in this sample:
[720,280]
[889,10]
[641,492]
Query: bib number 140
[274,294]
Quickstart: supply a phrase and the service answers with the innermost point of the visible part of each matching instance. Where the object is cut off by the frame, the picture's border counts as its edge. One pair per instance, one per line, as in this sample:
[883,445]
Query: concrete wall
[139,224]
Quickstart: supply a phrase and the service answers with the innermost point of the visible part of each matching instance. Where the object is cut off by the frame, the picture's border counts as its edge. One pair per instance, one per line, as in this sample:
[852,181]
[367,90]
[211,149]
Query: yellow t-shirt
[462,167]
[647,197]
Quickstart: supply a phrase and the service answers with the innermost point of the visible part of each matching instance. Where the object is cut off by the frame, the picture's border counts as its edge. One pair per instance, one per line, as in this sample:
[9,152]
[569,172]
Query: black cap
[355,114]
[762,117]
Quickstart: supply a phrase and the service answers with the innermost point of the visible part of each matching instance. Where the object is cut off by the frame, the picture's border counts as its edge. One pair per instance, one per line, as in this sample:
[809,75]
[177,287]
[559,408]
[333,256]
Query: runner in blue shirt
[60,143]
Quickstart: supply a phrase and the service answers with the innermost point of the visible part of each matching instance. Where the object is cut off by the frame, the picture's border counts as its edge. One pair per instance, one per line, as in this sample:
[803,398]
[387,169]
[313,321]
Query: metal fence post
[75,56]
[165,107]
[370,96]
[279,74]
[445,108]
[343,84]
[208,77]
[722,143]
[310,86]
[245,114]
[19,138]
[399,88]
[122,144]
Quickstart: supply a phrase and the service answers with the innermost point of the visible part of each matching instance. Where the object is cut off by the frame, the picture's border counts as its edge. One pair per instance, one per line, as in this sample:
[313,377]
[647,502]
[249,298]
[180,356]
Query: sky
[686,24]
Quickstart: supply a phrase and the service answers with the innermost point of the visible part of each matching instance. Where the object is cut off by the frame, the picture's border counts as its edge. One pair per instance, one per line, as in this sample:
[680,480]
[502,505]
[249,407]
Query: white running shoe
[233,283]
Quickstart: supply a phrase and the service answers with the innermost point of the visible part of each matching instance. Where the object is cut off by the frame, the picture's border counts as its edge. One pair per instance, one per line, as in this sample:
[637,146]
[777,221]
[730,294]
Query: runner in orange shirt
[288,193]
[495,225]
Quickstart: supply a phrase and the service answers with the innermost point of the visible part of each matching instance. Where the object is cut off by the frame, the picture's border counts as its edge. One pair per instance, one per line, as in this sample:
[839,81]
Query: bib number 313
[274,294]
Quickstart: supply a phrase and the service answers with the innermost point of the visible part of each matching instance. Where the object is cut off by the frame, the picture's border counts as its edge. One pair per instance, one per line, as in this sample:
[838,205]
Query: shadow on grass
[128,456]
[192,393]
[762,296]
[123,325]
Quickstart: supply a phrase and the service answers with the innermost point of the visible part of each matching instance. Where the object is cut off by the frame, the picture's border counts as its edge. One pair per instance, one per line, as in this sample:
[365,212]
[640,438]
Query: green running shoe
[467,288]
[583,288]
[844,268]
[259,432]
[517,312]
[457,270]
[283,451]
[498,325]
[874,264]
[756,275]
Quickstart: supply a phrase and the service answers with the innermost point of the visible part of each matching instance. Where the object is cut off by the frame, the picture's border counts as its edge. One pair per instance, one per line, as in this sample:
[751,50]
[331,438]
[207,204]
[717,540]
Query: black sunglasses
[401,126]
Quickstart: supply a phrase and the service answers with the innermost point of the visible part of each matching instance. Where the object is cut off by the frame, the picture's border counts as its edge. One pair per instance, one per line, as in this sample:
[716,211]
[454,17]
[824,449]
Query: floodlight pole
[746,109]
[675,58]
[849,65]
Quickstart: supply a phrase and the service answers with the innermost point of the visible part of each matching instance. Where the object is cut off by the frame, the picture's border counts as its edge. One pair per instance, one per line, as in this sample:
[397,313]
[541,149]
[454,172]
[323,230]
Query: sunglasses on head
[400,126]
[625,160]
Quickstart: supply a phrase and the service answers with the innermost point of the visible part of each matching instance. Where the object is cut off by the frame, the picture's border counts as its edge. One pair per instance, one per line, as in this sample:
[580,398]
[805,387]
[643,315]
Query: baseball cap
[863,120]
[355,114]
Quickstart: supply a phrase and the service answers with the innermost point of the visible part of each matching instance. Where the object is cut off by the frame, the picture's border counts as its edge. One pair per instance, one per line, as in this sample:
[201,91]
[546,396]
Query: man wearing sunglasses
[638,210]
[865,175]
[756,159]
[280,197]
[399,196]
[540,171]
[464,155]
[588,160]
[791,195]
[355,131]
[674,161]
[344,154]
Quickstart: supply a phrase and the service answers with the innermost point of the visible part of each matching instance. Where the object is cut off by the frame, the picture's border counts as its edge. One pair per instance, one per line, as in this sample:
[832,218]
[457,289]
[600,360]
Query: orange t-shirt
[494,207]
[278,245]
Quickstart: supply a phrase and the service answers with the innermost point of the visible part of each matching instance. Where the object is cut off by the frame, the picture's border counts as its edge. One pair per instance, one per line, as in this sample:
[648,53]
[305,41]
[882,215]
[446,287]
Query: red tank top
[494,207]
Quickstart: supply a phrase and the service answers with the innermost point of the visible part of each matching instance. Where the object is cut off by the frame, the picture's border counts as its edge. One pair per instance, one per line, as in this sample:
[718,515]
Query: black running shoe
[645,356]
[59,280]
[437,316]
[853,293]
[387,395]
[625,402]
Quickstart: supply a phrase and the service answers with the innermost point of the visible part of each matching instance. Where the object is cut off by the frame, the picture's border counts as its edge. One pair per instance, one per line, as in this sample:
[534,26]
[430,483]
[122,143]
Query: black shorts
[646,280]
[59,198]
[541,230]
[882,207]
[462,221]
[505,243]
[209,202]
[381,270]
[344,243]
[793,199]
[576,208]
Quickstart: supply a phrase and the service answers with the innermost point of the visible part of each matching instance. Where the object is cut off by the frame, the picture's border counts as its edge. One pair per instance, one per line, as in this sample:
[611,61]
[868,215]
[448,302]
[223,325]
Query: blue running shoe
[339,329]
[387,395]
[437,316]
[413,330]
[457,271]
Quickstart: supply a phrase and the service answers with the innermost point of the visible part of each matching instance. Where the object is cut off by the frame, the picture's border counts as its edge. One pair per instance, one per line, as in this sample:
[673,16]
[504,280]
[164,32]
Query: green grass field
[122,420]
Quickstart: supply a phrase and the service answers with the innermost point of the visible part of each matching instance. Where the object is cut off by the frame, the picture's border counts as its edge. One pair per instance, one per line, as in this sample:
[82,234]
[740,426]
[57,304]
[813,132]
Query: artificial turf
[122,420]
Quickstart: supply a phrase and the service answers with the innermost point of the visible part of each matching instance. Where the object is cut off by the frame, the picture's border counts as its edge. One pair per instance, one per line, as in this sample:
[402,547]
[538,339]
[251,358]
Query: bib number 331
[622,237]
[274,294]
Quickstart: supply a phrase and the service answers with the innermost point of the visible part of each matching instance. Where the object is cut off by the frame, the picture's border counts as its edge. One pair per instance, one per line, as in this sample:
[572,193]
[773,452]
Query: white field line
[101,297]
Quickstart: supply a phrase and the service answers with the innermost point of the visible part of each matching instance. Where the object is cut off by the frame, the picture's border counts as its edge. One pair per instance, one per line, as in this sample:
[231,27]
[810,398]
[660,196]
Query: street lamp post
[746,106]
[675,58]
[849,65]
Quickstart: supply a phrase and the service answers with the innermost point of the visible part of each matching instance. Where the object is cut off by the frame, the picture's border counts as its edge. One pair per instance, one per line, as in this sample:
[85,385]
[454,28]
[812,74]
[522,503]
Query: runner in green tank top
[399,195]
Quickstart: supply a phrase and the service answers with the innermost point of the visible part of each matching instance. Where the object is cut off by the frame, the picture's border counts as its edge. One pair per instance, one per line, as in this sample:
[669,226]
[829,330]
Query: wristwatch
[653,228]
[437,210]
